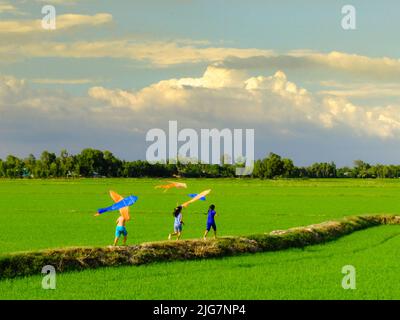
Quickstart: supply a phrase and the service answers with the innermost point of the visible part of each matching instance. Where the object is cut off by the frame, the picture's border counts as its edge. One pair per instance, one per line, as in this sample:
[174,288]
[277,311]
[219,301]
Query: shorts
[120,230]
[211,225]
[178,227]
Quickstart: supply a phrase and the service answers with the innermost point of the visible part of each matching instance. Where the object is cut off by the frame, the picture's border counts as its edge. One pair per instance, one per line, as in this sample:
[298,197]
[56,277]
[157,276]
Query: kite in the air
[170,185]
[193,195]
[199,196]
[122,204]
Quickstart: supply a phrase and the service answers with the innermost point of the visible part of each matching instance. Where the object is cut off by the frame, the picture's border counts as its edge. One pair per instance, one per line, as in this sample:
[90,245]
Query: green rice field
[41,214]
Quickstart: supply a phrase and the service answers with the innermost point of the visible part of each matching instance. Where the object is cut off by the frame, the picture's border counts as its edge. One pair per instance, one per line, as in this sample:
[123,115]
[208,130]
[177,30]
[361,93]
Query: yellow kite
[170,185]
[198,197]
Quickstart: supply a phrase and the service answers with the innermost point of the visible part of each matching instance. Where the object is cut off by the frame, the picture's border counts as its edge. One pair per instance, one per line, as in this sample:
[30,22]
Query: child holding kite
[122,204]
[211,222]
[178,223]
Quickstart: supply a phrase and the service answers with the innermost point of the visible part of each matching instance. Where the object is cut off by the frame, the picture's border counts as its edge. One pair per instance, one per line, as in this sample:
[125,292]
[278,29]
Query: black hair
[212,207]
[177,211]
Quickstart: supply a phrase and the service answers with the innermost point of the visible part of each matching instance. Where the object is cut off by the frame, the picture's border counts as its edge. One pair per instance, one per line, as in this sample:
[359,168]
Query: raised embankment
[68,259]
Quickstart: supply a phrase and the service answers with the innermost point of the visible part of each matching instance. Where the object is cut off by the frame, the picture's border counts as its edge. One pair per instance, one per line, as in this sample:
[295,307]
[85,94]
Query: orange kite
[170,185]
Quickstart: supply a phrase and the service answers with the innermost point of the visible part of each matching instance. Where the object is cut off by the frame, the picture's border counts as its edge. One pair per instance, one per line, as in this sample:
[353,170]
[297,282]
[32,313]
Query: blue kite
[193,195]
[121,204]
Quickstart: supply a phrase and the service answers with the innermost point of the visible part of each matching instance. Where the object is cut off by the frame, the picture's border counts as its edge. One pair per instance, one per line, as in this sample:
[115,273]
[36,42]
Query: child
[178,223]
[120,230]
[211,222]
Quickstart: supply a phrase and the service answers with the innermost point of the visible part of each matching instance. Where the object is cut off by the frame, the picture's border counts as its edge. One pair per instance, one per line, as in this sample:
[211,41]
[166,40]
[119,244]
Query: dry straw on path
[69,259]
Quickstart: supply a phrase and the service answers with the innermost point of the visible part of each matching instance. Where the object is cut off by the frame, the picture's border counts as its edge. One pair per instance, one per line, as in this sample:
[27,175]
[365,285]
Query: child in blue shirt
[211,222]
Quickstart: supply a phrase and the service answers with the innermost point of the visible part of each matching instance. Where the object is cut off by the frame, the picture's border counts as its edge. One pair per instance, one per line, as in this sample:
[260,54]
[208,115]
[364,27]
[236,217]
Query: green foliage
[96,163]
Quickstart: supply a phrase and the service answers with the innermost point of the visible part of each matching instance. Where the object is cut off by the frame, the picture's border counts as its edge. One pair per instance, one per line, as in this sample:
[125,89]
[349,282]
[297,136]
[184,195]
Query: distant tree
[2,169]
[271,167]
[67,164]
[47,168]
[90,162]
[361,169]
[345,172]
[289,170]
[258,169]
[322,170]
[274,166]
[13,167]
[113,166]
[29,165]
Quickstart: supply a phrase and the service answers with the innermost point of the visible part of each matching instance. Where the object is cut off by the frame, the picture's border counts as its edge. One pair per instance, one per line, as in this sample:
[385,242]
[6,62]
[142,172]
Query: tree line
[97,163]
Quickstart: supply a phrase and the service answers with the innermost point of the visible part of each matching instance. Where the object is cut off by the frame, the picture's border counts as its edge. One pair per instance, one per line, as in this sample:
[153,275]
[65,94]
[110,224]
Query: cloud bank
[232,96]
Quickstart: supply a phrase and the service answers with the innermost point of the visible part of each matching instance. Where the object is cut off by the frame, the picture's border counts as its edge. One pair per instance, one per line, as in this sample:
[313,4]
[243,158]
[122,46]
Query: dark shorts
[178,227]
[211,225]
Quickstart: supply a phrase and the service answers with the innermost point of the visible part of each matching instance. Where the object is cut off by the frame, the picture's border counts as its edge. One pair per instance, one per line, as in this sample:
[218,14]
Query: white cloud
[284,115]
[383,121]
[65,21]
[231,96]
[6,7]
[59,2]
[361,90]
[37,119]
[155,52]
[356,66]
[117,98]
[63,81]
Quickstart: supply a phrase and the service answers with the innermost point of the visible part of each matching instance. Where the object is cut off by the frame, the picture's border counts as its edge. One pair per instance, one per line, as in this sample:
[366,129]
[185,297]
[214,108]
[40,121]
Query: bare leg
[172,234]
[178,236]
[125,238]
[116,241]
[205,235]
[215,234]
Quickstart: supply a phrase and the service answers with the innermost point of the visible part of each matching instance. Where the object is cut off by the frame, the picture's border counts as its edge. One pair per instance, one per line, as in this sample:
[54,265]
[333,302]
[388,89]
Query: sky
[113,70]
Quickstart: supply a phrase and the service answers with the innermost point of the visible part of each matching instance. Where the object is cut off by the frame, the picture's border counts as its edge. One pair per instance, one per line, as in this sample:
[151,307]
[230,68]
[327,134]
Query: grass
[71,259]
[309,273]
[48,214]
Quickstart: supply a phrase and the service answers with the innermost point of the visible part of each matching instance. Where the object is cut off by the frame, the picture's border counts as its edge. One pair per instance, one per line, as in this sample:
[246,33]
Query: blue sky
[111,71]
